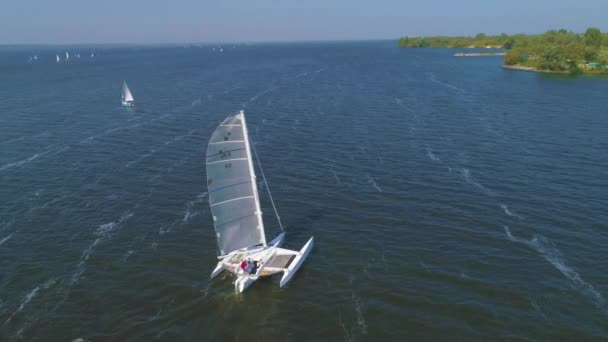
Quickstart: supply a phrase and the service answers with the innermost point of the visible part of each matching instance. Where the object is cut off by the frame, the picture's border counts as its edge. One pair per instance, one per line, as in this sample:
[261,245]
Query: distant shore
[553,52]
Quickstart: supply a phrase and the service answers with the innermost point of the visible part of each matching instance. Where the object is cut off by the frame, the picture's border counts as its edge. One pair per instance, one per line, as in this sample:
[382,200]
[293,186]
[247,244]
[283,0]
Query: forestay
[233,195]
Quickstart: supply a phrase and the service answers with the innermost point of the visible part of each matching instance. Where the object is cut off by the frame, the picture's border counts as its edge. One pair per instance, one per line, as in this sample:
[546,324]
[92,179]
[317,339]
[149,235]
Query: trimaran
[237,217]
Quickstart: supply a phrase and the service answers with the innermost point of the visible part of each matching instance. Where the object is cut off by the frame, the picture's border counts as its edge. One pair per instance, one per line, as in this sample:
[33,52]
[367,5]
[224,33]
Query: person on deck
[249,266]
[244,265]
[254,269]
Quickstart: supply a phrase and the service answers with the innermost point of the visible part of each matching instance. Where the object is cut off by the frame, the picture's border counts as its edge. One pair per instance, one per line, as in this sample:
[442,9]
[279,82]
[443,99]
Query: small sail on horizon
[92,54]
[67,56]
[127,97]
[57,58]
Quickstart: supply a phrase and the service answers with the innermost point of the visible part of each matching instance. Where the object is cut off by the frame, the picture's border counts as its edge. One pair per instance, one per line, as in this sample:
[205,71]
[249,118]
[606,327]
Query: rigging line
[266,183]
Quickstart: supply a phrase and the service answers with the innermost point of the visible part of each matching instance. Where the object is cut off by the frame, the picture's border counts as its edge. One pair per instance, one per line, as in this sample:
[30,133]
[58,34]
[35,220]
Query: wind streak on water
[188,214]
[548,250]
[466,174]
[25,161]
[7,238]
[103,231]
[29,296]
[508,212]
[432,156]
[373,183]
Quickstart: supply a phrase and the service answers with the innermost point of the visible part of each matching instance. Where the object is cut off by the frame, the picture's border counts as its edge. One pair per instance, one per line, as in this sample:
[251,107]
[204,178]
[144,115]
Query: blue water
[450,199]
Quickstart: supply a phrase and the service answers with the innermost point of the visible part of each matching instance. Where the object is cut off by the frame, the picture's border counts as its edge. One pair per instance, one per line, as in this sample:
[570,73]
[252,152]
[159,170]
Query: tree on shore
[555,50]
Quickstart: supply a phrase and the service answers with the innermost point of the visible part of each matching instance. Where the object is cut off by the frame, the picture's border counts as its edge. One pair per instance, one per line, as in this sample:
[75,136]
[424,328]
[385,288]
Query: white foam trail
[14,140]
[301,74]
[196,102]
[466,174]
[508,212]
[360,318]
[29,296]
[537,308]
[84,257]
[374,184]
[431,77]
[347,334]
[263,92]
[127,255]
[336,176]
[178,138]
[548,250]
[7,238]
[23,161]
[432,156]
[138,159]
[103,231]
[398,101]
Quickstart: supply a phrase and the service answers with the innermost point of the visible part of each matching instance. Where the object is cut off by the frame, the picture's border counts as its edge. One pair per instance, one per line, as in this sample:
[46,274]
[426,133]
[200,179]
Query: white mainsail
[67,56]
[233,193]
[126,93]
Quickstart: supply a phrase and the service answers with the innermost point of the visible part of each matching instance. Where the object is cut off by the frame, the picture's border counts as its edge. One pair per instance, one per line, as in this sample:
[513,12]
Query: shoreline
[532,69]
[479,54]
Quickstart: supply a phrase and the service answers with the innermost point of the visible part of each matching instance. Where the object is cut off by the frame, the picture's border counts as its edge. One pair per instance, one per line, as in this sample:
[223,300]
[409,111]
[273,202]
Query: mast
[254,183]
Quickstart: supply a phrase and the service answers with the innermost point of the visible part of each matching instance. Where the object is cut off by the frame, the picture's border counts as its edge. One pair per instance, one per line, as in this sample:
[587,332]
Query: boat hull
[271,260]
[128,103]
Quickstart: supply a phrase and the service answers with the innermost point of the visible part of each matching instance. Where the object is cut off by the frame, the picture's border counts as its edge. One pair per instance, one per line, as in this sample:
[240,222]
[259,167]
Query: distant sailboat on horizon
[127,98]
[67,56]
[92,55]
[57,58]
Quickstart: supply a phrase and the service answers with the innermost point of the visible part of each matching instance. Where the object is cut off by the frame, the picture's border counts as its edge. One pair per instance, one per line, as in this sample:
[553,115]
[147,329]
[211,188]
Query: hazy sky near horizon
[156,21]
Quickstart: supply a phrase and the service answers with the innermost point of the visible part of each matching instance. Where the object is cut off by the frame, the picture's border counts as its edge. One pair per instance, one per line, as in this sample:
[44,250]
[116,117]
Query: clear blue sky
[153,21]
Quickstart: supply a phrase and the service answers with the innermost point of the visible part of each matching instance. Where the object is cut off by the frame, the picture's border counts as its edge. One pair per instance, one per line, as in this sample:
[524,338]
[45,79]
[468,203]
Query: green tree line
[554,50]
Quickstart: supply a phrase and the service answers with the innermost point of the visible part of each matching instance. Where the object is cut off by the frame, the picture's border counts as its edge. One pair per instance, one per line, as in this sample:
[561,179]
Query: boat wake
[548,250]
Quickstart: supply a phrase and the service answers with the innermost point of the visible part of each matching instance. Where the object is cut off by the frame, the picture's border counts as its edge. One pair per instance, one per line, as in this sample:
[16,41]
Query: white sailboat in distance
[67,56]
[127,98]
[57,58]
[237,217]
